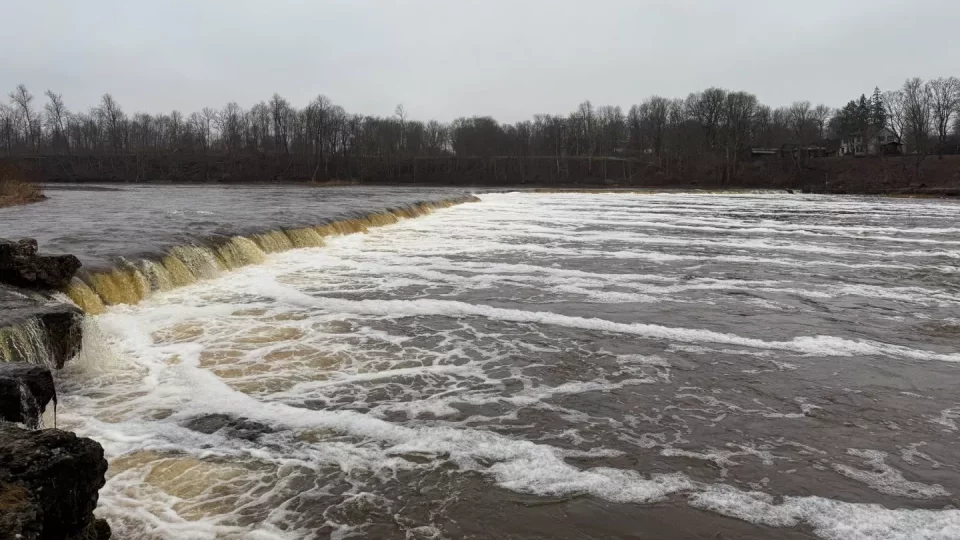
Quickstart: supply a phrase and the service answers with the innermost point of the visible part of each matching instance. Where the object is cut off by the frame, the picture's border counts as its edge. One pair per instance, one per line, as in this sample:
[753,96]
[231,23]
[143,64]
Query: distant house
[791,150]
[802,150]
[832,146]
[872,143]
[763,153]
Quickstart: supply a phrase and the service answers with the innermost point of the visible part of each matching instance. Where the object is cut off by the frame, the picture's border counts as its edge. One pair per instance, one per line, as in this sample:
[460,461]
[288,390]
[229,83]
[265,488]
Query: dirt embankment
[904,175]
[931,175]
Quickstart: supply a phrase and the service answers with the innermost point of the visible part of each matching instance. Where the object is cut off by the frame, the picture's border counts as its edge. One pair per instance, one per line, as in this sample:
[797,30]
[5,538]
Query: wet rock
[25,392]
[63,327]
[49,483]
[22,266]
[240,428]
[36,329]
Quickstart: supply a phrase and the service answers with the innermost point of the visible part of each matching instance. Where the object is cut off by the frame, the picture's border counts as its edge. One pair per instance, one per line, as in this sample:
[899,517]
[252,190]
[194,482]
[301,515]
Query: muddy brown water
[549,366]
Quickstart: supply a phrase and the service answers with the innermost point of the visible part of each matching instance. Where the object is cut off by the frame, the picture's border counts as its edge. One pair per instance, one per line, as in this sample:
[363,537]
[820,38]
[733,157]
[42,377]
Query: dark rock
[63,326]
[25,391]
[21,266]
[23,248]
[49,483]
[240,428]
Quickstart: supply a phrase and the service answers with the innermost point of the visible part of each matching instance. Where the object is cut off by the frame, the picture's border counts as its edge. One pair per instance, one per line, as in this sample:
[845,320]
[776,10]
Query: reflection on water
[550,365]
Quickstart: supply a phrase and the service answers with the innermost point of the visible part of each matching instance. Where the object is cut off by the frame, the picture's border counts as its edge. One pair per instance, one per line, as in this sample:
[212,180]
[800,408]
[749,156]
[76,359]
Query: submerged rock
[25,391]
[49,484]
[239,428]
[22,266]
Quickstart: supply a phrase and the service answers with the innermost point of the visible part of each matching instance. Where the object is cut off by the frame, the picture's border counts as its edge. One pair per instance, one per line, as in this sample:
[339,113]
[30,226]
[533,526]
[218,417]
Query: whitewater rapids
[548,365]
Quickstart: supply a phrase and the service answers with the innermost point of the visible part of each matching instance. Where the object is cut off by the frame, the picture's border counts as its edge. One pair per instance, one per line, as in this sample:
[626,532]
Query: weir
[131,282]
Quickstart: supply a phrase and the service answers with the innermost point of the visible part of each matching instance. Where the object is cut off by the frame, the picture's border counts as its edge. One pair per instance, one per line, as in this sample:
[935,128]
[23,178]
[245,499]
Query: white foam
[469,364]
[812,345]
[886,479]
[830,519]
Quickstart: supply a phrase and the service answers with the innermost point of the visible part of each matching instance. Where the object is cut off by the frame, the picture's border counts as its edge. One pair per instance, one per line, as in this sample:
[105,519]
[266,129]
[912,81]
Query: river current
[549,366]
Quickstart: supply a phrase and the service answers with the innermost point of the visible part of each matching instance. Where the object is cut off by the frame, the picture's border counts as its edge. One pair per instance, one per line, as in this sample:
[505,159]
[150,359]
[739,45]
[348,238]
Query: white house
[873,143]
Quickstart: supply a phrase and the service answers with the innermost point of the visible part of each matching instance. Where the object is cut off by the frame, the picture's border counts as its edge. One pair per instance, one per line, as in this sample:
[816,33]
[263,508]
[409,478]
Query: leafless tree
[57,114]
[917,98]
[21,98]
[738,116]
[175,128]
[895,106]
[401,115]
[821,115]
[800,115]
[7,122]
[279,110]
[114,120]
[706,133]
[707,109]
[944,102]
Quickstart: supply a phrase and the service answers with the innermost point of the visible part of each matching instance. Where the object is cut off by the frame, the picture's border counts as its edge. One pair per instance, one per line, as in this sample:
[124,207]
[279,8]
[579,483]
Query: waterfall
[130,283]
[24,342]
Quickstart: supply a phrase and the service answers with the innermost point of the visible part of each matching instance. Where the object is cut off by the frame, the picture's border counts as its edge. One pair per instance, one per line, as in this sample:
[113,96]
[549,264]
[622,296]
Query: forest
[709,133]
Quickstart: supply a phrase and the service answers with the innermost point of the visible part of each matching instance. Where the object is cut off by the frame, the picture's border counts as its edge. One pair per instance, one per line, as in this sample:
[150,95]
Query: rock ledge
[49,483]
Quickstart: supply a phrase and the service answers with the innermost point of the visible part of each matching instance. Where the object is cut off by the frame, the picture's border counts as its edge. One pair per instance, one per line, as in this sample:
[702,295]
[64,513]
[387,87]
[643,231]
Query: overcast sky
[448,58]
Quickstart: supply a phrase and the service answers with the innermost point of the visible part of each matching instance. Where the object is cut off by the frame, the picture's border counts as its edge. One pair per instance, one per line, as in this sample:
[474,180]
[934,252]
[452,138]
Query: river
[542,365]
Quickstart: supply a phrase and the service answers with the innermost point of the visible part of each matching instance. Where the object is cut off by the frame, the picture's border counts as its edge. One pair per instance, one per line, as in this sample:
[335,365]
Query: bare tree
[175,129]
[895,106]
[658,109]
[280,109]
[57,114]
[738,115]
[401,115]
[114,119]
[944,102]
[707,109]
[21,99]
[707,133]
[799,116]
[917,98]
[821,116]
[318,120]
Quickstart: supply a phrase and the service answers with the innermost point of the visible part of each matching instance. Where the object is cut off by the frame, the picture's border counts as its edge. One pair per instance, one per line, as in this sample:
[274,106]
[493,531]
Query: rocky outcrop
[49,479]
[25,392]
[49,483]
[22,266]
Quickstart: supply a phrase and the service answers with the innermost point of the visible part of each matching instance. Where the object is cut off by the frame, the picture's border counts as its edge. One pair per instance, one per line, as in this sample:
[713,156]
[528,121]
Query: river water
[100,223]
[549,366]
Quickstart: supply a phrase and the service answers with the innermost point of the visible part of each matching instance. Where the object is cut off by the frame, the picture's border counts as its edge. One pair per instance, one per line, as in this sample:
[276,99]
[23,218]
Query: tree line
[708,129]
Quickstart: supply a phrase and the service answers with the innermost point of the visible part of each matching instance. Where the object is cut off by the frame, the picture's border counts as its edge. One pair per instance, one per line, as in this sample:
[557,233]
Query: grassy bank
[14,191]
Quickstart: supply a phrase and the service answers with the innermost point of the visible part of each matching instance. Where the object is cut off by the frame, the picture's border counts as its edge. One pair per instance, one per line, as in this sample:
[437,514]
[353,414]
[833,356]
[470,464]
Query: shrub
[14,190]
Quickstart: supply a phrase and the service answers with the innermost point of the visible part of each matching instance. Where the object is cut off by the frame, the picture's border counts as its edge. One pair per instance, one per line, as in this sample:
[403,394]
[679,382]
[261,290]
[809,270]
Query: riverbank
[933,175]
